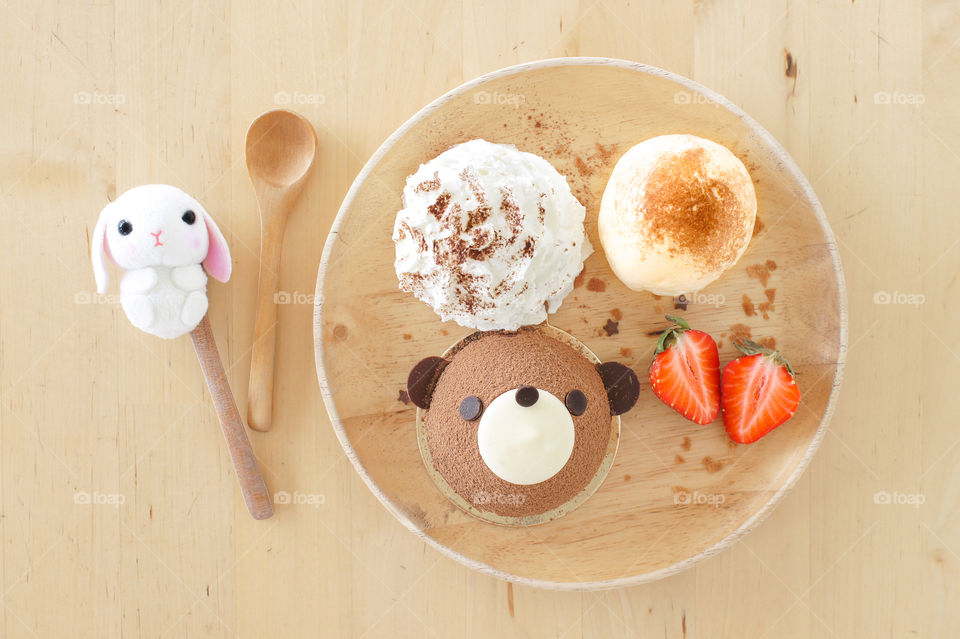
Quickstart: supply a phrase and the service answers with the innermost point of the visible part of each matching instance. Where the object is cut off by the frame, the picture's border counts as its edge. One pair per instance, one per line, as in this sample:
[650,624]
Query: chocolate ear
[623,387]
[423,379]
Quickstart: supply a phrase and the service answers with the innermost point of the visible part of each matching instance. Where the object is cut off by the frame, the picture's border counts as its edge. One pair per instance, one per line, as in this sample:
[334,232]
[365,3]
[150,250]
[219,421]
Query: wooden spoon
[281,147]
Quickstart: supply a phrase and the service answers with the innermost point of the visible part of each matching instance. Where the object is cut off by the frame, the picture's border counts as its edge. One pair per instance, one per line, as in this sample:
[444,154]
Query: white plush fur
[164,288]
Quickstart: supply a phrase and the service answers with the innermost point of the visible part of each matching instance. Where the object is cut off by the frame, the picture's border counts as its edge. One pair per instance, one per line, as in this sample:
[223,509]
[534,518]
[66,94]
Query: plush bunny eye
[189,217]
[576,402]
[124,227]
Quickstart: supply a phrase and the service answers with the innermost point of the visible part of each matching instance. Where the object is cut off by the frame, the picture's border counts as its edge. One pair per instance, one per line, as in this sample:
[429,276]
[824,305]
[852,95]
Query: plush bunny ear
[217,262]
[100,251]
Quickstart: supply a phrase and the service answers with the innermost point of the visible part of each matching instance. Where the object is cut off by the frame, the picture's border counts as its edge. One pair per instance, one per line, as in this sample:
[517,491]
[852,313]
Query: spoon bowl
[280,148]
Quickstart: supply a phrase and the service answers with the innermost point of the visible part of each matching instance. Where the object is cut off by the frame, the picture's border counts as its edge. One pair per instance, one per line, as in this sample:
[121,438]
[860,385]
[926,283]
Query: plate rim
[788,164]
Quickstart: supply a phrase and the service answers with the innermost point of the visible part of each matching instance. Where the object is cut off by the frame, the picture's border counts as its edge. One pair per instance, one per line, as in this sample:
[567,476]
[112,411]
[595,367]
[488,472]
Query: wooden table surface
[120,512]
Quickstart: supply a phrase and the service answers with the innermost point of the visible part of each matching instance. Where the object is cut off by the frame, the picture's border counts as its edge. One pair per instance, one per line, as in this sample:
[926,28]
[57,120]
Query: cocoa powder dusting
[685,445]
[511,210]
[611,327]
[765,308]
[528,246]
[508,361]
[596,285]
[749,309]
[768,342]
[429,185]
[582,167]
[700,215]
[439,207]
[469,176]
[759,272]
[712,465]
[467,238]
[578,280]
[604,153]
[553,138]
[478,216]
[616,314]
[740,332]
[416,234]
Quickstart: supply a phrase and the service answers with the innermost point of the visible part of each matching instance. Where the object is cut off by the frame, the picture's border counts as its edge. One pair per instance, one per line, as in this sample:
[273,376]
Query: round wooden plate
[677,492]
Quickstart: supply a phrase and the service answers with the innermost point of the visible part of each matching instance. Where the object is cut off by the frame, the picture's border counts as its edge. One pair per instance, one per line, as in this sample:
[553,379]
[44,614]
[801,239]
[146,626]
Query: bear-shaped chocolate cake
[518,423]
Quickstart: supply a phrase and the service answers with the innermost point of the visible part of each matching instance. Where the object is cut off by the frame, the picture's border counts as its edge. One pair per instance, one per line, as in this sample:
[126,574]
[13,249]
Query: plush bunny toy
[160,236]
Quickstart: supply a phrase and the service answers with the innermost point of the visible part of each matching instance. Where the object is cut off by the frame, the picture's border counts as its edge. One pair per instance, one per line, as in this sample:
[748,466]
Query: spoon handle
[260,392]
[252,486]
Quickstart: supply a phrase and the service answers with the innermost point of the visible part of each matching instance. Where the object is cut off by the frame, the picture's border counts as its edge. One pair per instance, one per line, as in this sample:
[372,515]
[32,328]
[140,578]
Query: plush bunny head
[157,225]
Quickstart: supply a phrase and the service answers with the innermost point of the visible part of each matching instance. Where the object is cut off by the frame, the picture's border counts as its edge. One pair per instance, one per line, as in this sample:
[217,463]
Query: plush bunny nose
[156,236]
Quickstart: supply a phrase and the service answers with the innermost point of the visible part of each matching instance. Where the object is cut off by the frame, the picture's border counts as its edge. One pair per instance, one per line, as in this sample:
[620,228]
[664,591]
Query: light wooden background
[102,96]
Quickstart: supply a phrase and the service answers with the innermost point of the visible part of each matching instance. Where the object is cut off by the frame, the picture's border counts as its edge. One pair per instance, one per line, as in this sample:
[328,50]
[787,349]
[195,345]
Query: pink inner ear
[217,263]
[106,249]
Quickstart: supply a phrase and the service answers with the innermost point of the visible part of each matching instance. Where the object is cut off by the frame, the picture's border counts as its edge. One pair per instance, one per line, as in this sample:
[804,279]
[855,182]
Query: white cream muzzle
[526,444]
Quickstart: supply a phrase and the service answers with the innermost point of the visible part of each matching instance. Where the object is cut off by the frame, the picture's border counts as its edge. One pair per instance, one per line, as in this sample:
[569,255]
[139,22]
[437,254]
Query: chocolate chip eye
[189,217]
[527,396]
[124,227]
[576,402]
[471,407]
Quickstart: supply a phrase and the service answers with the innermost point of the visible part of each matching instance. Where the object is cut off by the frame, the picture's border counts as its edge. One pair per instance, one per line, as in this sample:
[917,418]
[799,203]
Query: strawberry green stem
[669,336]
[749,347]
[679,321]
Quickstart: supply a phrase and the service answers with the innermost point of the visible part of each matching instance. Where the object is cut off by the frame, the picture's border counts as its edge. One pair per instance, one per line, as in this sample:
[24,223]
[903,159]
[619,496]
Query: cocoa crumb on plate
[611,327]
[596,285]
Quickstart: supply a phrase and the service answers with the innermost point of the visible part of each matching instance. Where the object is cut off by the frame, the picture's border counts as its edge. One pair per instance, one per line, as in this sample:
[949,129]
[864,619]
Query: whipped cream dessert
[678,211]
[489,236]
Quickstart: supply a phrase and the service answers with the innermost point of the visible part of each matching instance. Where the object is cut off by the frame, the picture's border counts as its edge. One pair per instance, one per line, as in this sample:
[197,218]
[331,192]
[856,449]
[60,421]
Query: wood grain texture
[91,407]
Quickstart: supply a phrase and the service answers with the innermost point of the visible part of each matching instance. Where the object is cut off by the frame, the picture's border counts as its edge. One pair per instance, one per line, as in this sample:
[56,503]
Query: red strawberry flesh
[685,373]
[758,394]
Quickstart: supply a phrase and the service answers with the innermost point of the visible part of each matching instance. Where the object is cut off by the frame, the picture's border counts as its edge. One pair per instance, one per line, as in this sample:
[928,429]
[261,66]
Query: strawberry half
[685,372]
[759,393]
